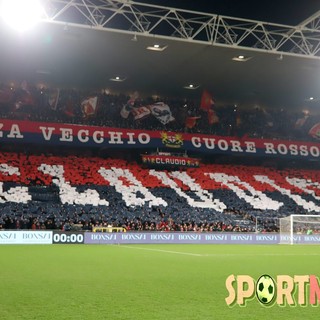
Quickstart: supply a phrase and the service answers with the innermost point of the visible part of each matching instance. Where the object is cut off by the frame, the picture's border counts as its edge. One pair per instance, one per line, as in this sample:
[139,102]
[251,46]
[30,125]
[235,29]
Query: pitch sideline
[218,254]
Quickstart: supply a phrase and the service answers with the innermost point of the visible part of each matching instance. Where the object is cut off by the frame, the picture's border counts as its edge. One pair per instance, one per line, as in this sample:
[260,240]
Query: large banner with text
[196,238]
[14,131]
[25,237]
[62,237]
[157,160]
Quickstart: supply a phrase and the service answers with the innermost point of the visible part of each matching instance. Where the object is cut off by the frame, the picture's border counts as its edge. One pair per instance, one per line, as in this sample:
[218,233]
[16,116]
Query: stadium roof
[103,44]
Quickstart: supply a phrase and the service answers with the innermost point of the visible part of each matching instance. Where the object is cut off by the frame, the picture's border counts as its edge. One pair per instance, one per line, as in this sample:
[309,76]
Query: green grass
[143,281]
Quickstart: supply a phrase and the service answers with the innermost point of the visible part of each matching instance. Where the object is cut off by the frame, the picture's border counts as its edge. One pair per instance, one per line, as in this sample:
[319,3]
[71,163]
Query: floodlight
[117,79]
[157,47]
[241,58]
[21,15]
[191,86]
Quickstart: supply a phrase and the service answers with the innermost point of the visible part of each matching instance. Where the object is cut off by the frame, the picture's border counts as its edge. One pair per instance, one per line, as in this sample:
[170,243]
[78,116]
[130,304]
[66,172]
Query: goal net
[294,225]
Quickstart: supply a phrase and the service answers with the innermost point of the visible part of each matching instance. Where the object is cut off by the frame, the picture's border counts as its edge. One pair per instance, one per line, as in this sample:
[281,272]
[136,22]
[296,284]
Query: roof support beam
[126,16]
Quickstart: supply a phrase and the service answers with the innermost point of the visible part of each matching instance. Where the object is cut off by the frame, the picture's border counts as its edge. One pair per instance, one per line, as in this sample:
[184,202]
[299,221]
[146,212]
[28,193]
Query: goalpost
[296,224]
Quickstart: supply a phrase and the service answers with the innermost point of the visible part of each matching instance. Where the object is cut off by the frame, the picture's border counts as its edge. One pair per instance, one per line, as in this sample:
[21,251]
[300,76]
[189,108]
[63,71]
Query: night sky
[290,12]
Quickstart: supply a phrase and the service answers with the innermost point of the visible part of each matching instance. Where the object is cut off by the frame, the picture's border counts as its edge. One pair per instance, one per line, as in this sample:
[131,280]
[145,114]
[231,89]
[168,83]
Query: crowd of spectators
[230,120]
[136,224]
[36,104]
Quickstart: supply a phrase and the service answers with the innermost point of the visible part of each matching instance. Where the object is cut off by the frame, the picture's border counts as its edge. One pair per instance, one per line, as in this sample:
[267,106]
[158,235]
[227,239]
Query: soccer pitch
[144,281]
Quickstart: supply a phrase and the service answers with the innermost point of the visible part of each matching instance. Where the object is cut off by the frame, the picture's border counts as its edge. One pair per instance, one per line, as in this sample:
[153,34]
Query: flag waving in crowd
[89,106]
[212,117]
[126,109]
[159,110]
[162,112]
[53,98]
[315,131]
[207,104]
[191,122]
[140,112]
[207,101]
[24,96]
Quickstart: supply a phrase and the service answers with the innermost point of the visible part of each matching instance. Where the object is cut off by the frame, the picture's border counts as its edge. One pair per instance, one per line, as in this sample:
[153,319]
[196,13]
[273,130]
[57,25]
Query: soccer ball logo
[265,289]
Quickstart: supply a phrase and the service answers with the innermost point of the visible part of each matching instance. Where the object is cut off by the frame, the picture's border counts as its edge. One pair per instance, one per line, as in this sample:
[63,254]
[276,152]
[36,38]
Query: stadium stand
[122,111]
[65,192]
[109,187]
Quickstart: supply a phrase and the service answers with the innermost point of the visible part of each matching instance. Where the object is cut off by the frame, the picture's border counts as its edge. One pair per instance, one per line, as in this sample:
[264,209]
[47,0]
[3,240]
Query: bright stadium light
[21,15]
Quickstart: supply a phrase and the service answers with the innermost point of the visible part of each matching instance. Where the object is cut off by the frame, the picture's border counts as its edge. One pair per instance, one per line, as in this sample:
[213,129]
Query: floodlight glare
[21,15]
